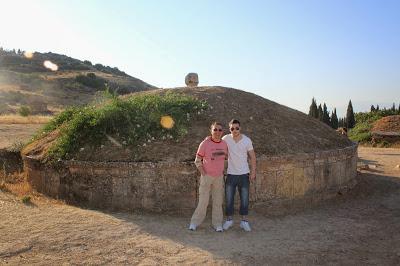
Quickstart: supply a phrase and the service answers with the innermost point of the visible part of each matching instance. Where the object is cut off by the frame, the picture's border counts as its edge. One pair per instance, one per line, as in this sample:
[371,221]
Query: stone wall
[167,186]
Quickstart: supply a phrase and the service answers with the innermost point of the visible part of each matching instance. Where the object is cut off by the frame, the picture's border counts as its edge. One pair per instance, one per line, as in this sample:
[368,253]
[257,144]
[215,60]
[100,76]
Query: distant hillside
[26,81]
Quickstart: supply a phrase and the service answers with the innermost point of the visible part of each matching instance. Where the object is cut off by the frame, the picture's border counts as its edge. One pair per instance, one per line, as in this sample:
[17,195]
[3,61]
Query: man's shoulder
[246,137]
[227,137]
[205,141]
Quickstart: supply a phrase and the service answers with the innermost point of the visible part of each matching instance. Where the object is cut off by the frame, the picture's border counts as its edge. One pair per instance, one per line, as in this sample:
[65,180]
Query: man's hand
[252,176]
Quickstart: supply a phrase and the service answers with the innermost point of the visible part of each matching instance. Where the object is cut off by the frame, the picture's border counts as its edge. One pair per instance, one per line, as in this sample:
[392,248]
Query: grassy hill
[26,82]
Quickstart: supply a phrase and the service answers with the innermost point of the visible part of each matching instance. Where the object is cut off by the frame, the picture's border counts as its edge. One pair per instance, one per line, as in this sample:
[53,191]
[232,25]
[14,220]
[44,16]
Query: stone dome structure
[299,159]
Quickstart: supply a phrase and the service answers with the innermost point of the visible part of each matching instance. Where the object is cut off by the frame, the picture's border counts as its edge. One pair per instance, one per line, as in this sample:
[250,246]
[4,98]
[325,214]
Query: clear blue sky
[286,51]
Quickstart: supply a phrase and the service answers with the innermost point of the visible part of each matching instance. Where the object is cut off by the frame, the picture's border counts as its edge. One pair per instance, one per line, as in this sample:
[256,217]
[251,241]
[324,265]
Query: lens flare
[50,65]
[167,122]
[28,54]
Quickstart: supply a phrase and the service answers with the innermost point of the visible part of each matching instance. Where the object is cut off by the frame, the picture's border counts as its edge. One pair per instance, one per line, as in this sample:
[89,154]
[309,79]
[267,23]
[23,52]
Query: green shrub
[24,111]
[133,120]
[91,80]
[26,199]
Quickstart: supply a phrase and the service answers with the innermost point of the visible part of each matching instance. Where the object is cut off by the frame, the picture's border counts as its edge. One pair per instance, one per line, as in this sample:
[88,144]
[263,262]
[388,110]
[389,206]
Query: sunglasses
[217,129]
[235,128]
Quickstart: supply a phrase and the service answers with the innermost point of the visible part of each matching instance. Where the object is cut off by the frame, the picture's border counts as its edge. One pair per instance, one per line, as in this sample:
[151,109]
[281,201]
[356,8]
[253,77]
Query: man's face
[235,129]
[216,132]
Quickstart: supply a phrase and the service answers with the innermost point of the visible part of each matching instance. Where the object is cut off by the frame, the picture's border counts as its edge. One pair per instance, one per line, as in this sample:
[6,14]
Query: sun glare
[50,65]
[167,122]
[28,54]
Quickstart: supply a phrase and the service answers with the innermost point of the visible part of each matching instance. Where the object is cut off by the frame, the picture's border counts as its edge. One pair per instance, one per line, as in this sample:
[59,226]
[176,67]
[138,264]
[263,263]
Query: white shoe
[227,224]
[192,227]
[219,229]
[245,226]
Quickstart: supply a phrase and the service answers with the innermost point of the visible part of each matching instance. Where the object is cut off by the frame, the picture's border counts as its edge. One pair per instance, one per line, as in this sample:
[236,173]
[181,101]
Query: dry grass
[31,119]
[15,183]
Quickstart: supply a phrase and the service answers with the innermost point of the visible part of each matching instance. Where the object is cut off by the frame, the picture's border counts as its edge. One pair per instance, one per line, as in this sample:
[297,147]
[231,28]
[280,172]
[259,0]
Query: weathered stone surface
[303,184]
[173,186]
[192,80]
[284,183]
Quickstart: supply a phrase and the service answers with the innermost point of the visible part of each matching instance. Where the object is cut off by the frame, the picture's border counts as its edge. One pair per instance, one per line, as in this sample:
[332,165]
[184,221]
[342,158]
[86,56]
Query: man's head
[234,127]
[216,131]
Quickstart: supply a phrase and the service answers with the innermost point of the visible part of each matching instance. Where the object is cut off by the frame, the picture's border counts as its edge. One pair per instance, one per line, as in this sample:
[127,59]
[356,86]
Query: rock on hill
[26,81]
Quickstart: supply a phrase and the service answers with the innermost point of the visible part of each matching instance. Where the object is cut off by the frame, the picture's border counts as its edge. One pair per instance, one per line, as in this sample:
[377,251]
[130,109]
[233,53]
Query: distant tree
[334,119]
[377,107]
[394,108]
[350,116]
[19,52]
[372,108]
[87,62]
[313,112]
[341,122]
[320,112]
[325,115]
[398,110]
[13,51]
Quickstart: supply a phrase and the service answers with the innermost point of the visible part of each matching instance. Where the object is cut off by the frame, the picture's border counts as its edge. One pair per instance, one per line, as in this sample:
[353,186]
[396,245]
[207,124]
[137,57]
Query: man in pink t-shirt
[210,160]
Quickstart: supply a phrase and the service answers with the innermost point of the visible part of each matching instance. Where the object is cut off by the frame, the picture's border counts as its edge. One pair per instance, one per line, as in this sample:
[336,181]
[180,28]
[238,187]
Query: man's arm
[199,164]
[253,164]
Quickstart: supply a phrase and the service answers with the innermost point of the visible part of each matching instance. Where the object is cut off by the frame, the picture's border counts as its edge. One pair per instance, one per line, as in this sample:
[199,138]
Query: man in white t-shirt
[240,148]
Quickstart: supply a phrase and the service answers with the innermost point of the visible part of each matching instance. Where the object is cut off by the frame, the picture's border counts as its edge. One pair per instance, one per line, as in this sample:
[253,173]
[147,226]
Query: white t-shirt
[237,154]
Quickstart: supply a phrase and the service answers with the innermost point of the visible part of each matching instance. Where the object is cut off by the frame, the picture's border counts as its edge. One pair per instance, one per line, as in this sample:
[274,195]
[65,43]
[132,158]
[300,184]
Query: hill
[25,81]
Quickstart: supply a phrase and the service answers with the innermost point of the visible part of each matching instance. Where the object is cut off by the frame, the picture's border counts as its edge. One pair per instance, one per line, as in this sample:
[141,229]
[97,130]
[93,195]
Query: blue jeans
[242,183]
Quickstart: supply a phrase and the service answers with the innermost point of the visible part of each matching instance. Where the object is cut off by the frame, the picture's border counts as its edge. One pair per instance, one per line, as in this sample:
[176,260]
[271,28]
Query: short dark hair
[215,123]
[234,121]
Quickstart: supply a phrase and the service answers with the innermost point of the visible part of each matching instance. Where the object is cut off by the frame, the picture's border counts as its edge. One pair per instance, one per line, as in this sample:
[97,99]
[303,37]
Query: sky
[285,51]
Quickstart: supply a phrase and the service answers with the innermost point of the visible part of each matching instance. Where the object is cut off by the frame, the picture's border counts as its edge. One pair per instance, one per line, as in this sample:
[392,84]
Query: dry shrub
[31,119]
[15,183]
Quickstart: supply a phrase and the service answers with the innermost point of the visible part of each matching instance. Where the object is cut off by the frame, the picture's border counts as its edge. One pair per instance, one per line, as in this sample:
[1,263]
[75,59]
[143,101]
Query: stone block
[266,185]
[284,183]
[303,184]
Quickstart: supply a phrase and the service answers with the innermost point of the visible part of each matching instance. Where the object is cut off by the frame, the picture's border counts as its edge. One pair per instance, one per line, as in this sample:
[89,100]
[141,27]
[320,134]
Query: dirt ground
[15,133]
[361,227]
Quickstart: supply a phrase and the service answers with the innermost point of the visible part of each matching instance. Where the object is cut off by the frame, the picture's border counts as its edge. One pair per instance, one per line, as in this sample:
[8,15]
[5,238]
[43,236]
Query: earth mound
[387,124]
[275,130]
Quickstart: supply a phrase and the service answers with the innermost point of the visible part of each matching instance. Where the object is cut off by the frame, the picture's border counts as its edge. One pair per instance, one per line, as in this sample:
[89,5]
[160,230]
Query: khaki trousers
[216,186]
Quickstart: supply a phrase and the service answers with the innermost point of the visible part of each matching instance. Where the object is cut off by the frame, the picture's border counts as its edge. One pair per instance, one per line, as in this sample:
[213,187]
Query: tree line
[330,118]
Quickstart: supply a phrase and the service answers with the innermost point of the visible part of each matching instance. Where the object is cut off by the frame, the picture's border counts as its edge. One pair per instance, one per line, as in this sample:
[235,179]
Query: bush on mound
[128,121]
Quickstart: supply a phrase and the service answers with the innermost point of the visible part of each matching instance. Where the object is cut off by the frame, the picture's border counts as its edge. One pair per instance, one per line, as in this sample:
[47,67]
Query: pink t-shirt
[213,154]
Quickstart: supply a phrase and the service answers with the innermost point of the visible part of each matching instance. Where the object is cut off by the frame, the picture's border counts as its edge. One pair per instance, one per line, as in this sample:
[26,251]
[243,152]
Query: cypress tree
[394,108]
[313,112]
[325,115]
[372,108]
[377,107]
[350,120]
[334,119]
[320,112]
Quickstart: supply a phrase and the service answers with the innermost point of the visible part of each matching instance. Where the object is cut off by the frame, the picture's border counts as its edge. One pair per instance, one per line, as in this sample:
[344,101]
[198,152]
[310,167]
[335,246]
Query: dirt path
[362,227]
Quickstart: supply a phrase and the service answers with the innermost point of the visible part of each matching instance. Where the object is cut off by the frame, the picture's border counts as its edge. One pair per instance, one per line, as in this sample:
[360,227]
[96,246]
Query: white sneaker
[192,227]
[245,226]
[219,229]
[227,224]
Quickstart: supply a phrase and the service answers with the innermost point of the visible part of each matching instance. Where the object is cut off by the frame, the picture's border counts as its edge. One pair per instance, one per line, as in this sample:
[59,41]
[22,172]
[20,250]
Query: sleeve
[249,145]
[201,151]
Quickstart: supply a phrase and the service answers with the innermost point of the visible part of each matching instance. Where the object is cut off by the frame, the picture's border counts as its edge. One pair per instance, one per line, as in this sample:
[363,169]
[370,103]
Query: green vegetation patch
[131,121]
[91,80]
[364,123]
